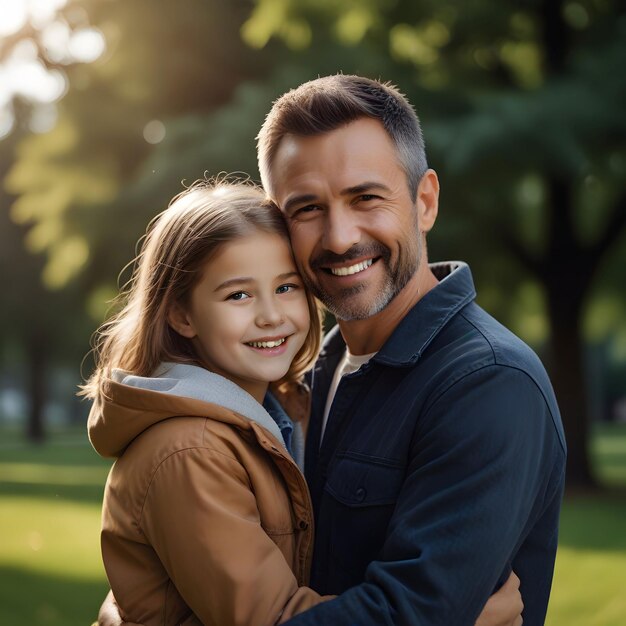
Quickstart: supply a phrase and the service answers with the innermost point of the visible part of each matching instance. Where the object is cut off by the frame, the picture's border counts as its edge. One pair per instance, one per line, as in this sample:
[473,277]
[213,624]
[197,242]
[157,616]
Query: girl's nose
[269,314]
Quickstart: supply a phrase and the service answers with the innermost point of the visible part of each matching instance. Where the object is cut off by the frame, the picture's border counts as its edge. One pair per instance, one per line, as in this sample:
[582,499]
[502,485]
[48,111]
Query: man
[435,453]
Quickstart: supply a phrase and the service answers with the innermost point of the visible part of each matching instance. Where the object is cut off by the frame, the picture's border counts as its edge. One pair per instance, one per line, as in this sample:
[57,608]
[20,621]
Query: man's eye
[309,208]
[366,197]
[238,295]
[286,288]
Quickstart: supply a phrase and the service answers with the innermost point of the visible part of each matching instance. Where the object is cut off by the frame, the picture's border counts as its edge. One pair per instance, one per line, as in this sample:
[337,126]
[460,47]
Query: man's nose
[341,230]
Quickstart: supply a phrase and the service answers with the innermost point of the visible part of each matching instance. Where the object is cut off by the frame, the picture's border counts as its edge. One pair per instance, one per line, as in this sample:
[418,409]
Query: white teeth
[267,344]
[353,269]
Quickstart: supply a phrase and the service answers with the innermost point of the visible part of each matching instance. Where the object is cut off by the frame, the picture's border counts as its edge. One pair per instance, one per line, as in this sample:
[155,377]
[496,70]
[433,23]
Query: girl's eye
[286,288]
[238,295]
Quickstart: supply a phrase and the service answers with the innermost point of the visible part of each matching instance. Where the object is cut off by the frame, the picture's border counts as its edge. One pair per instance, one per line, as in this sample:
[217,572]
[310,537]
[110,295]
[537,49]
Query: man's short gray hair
[327,103]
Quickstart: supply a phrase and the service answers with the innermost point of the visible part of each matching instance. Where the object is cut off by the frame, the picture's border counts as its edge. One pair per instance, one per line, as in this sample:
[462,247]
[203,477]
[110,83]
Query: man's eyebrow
[348,191]
[364,187]
[301,199]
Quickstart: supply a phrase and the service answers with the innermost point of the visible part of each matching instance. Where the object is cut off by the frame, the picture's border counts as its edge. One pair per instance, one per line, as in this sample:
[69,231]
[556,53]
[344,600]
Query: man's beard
[345,304]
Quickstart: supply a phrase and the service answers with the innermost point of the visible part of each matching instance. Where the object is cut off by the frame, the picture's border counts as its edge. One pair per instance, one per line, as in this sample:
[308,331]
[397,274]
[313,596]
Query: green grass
[51,573]
[590,571]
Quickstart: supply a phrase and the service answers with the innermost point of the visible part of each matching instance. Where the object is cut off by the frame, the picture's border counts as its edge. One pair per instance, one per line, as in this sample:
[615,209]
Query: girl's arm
[201,518]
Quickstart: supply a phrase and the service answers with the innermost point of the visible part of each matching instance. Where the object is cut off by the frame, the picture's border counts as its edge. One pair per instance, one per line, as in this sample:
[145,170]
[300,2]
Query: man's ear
[178,319]
[427,201]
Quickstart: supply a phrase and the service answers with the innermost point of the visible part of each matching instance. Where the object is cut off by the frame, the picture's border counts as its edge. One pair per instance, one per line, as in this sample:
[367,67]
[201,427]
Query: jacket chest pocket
[360,499]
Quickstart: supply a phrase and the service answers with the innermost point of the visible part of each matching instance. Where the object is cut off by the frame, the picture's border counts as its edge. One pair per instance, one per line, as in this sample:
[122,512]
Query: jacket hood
[134,403]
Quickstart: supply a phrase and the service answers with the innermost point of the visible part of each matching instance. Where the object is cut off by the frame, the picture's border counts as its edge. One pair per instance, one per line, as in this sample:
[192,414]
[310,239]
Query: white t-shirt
[348,364]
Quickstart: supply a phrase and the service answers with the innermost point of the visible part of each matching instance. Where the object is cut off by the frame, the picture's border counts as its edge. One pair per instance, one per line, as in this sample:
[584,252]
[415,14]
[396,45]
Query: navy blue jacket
[442,467]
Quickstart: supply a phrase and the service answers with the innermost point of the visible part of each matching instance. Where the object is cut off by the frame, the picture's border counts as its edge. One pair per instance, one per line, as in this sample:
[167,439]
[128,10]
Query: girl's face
[248,316]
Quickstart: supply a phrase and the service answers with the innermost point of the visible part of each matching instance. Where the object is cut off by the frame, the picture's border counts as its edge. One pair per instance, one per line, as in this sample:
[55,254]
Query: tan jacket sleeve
[200,516]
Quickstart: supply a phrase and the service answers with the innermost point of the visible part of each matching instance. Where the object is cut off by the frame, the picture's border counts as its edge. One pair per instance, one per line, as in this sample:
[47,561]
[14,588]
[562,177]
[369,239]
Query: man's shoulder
[474,351]
[474,340]
[492,341]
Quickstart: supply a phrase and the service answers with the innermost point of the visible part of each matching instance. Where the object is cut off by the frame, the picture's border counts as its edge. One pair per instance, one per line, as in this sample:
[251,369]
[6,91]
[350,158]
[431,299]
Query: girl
[206,516]
[205,512]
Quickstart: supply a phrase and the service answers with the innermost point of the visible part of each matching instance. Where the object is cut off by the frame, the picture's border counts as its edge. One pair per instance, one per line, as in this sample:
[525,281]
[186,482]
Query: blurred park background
[107,106]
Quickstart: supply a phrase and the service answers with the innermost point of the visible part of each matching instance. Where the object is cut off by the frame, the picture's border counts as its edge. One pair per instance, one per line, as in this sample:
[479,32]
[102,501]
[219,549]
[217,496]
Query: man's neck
[369,335]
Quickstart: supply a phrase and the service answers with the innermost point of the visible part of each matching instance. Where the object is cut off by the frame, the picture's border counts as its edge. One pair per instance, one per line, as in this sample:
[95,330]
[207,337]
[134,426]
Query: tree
[39,328]
[522,105]
[528,131]
[66,240]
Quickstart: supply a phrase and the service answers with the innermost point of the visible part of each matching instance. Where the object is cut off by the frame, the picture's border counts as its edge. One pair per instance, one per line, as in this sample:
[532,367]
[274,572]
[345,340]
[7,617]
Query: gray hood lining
[197,383]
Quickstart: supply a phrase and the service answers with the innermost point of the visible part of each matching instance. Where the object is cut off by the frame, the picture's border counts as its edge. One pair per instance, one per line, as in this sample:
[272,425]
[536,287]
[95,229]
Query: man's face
[353,225]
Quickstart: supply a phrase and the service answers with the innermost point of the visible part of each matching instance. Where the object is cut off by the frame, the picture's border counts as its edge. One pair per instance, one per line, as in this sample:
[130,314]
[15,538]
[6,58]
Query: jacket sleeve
[487,464]
[213,547]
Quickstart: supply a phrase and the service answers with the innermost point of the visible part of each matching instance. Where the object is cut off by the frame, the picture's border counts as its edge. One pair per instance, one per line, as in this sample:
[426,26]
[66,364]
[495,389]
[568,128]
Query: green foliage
[528,92]
[496,123]
[185,59]
[522,106]
[609,453]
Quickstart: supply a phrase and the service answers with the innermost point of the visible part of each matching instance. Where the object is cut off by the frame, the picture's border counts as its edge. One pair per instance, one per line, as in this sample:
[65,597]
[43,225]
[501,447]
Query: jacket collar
[196,383]
[424,321]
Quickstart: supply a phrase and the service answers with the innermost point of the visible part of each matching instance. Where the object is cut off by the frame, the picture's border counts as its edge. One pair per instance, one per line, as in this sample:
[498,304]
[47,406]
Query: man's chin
[357,302]
[357,307]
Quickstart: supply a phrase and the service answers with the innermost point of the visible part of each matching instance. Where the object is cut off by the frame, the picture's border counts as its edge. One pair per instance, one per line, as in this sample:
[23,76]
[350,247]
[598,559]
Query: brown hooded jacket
[206,517]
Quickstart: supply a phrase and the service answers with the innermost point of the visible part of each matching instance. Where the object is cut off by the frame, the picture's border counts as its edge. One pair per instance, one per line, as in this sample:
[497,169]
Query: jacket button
[360,494]
[303,524]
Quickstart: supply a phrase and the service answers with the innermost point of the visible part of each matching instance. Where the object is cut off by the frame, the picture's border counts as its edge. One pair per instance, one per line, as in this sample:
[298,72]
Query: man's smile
[351,269]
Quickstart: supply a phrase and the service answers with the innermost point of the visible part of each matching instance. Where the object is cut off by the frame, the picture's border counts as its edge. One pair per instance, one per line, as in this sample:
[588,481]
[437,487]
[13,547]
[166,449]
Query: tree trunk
[568,378]
[567,273]
[36,387]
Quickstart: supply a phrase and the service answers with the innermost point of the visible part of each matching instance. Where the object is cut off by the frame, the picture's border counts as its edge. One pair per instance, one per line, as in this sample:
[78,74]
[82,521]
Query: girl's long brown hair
[177,243]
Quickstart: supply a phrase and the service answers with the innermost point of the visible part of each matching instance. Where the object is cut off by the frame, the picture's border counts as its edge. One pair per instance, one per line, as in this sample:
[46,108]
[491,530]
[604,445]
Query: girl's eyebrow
[246,280]
[287,275]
